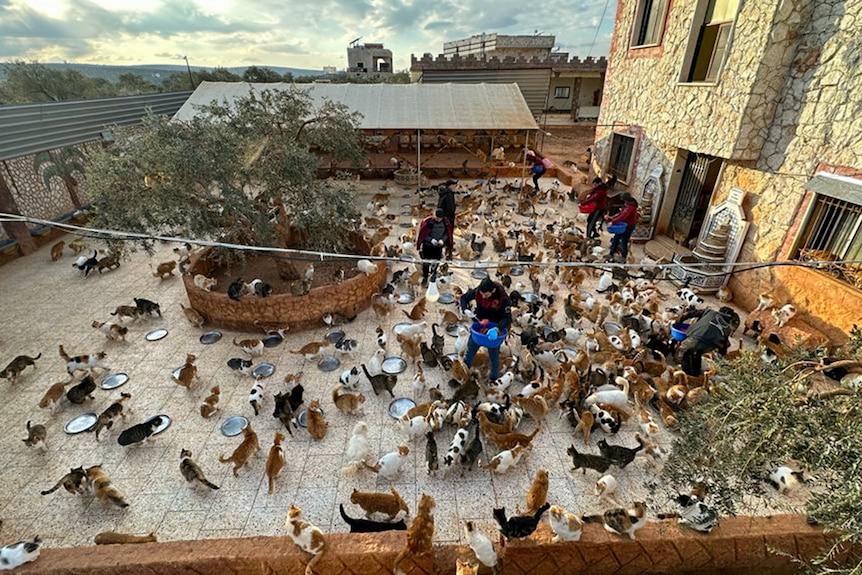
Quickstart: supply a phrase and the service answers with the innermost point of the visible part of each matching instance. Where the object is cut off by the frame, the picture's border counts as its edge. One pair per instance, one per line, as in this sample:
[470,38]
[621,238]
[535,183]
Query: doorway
[692,201]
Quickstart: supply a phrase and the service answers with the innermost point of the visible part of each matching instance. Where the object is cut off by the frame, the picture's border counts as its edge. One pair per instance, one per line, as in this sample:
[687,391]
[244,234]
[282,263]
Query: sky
[295,33]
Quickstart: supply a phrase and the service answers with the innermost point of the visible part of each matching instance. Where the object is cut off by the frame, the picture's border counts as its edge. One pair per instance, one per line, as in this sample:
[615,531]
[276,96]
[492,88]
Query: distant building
[369,59]
[329,70]
[487,45]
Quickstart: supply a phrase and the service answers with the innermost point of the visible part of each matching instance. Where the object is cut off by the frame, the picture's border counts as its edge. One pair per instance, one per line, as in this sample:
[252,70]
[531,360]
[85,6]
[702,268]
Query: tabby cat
[102,487]
[109,416]
[191,471]
[17,365]
[75,482]
[240,456]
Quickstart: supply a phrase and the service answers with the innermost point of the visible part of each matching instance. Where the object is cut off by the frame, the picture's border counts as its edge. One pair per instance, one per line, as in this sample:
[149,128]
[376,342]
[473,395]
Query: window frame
[808,228]
[695,37]
[628,175]
[568,94]
[638,24]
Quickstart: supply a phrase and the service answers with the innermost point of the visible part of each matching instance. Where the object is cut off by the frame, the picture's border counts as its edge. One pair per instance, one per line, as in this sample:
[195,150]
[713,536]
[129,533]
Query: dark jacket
[711,331]
[446,202]
[497,308]
[425,228]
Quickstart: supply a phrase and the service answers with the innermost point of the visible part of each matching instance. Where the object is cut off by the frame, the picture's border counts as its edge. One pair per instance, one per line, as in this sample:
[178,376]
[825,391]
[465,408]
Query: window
[562,91]
[649,22]
[713,38]
[622,147]
[833,233]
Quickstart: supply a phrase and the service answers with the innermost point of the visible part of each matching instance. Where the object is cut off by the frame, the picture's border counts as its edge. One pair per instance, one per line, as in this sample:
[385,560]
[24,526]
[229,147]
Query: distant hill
[156,73]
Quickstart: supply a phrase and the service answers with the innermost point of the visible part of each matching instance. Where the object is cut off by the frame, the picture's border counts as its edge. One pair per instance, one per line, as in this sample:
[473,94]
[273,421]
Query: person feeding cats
[711,331]
[435,234]
[494,315]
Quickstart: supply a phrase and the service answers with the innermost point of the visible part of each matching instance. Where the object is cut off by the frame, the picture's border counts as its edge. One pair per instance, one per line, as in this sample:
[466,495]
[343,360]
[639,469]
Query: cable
[598,27]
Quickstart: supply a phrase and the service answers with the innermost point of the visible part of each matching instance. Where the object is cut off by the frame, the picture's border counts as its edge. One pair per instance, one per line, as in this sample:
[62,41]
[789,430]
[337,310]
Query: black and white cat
[17,554]
[240,365]
[139,433]
[349,378]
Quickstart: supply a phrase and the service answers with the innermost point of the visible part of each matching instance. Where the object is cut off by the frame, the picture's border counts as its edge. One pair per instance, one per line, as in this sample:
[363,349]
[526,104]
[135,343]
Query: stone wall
[348,298]
[471,61]
[738,545]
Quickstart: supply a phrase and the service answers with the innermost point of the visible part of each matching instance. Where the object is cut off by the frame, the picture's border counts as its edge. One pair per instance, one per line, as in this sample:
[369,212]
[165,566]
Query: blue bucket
[482,339]
[678,331]
[616,228]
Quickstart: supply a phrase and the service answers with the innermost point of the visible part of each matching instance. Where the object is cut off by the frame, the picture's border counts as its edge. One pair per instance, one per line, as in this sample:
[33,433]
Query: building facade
[761,99]
[369,59]
[501,46]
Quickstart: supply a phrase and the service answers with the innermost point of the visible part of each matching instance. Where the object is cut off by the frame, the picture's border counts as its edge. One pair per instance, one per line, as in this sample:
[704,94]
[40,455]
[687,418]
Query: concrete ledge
[738,545]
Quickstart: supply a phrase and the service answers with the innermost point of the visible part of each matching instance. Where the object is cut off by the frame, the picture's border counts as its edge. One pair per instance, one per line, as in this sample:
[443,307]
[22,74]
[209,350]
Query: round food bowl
[156,334]
[616,228]
[400,327]
[400,406]
[328,363]
[166,423]
[272,340]
[393,365]
[114,380]
[233,425]
[263,370]
[446,298]
[679,331]
[479,274]
[612,328]
[334,335]
[516,271]
[210,337]
[452,329]
[302,418]
[80,423]
[482,339]
[406,298]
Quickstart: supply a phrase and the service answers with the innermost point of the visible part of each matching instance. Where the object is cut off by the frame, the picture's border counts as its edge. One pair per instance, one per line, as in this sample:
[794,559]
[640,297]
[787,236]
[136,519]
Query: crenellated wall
[471,61]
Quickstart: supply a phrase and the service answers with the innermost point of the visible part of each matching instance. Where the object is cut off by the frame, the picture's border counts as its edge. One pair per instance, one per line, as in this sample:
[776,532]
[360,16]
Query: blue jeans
[622,241]
[493,355]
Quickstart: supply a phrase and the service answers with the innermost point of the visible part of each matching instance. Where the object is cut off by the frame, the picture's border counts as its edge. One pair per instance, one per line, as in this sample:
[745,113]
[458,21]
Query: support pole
[524,160]
[18,231]
[418,161]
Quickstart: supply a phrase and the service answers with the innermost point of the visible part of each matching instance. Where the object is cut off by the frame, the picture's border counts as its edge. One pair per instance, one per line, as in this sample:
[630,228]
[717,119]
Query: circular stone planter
[347,298]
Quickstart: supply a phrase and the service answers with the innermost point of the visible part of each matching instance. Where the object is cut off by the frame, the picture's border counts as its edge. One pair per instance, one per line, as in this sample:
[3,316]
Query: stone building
[369,59]
[501,46]
[721,99]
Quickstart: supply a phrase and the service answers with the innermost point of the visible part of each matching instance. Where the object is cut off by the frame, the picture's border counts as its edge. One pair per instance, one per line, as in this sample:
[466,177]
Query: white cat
[357,448]
[204,283]
[481,545]
[418,382]
[414,427]
[785,314]
[606,486]
[566,526]
[389,466]
[366,267]
[375,364]
[14,555]
[462,340]
[255,396]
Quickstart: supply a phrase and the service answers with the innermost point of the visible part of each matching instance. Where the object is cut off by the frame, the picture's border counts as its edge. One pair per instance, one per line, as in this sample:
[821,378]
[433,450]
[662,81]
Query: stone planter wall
[348,298]
[738,545]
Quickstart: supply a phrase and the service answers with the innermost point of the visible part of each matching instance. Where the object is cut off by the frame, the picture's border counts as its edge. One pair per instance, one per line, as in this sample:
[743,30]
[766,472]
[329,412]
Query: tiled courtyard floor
[44,304]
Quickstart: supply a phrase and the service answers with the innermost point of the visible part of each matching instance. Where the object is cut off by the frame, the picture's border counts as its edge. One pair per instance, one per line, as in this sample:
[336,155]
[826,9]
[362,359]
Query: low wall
[738,545]
[348,298]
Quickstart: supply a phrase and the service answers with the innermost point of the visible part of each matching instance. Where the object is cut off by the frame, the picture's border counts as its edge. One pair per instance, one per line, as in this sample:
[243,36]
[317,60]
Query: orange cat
[376,502]
[188,372]
[315,421]
[240,456]
[210,405]
[306,536]
[348,403]
[52,397]
[275,461]
[420,533]
[538,493]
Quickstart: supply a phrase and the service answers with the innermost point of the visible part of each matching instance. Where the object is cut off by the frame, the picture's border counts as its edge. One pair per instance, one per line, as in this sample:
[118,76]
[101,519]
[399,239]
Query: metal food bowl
[210,337]
[393,365]
[399,406]
[114,380]
[81,423]
[446,298]
[328,363]
[156,334]
[166,423]
[263,370]
[233,426]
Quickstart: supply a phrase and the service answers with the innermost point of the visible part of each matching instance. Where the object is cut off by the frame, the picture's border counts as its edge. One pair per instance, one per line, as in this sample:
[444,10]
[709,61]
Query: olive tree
[242,173]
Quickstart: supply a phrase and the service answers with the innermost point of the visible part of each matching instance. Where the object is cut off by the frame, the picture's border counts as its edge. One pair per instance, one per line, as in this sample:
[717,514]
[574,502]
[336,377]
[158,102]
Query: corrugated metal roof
[398,106]
[835,186]
[29,128]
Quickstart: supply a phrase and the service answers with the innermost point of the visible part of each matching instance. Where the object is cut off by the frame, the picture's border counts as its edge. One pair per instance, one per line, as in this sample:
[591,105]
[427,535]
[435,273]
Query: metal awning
[839,187]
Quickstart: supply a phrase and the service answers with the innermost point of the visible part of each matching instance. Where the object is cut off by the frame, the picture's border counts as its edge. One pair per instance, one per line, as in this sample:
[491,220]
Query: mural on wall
[65,164]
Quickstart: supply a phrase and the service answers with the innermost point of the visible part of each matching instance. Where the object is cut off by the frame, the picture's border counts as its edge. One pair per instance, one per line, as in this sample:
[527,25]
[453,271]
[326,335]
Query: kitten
[17,554]
[275,461]
[381,381]
[481,545]
[357,449]
[210,405]
[240,365]
[36,437]
[147,307]
[306,536]
[765,301]
[466,567]
[566,526]
[109,416]
[191,472]
[57,250]
[82,391]
[240,456]
[83,362]
[203,282]
[17,365]
[315,422]
[368,526]
[114,538]
[188,374]
[253,347]
[139,433]
[283,411]
[538,493]
[431,461]
[112,331]
[102,487]
[75,482]
[420,533]
[389,504]
[348,403]
[255,396]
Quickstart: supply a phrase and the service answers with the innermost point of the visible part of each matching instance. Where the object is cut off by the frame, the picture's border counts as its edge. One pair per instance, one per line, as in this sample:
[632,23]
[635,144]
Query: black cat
[588,460]
[621,456]
[284,412]
[148,307]
[236,289]
[369,526]
[82,391]
[140,432]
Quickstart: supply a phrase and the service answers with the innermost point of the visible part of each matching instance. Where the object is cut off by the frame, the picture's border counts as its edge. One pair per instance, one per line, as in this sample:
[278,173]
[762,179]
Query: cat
[236,289]
[114,538]
[381,381]
[315,422]
[188,374]
[147,307]
[210,405]
[369,526]
[389,504]
[456,446]
[765,301]
[306,536]
[429,356]
[622,521]
[349,378]
[240,365]
[784,479]
[410,347]
[243,452]
[389,466]
[203,282]
[17,365]
[83,362]
[191,472]
[164,270]
[102,487]
[348,403]
[566,526]
[87,265]
[75,482]
[420,534]
[538,493]
[381,338]
[112,331]
[621,456]
[606,486]
[109,416]
[481,545]
[275,461]
[312,349]
[255,396]
[505,460]
[139,433]
[588,460]
[346,346]
[126,311]
[413,427]
[466,567]
[437,340]
[431,461]
[357,449]
[109,262]
[418,382]
[57,250]
[82,391]
[784,314]
[259,288]
[194,317]
[37,436]
[253,347]
[283,411]
[418,310]
[17,554]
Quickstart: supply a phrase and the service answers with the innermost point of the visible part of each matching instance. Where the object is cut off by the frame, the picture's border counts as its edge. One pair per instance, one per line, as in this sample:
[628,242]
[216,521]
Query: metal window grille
[834,233]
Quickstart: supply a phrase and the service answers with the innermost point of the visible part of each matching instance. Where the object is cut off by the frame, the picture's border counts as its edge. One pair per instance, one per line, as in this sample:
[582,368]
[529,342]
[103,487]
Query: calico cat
[83,362]
[283,412]
[253,347]
[621,521]
[17,365]
[315,422]
[17,554]
[188,372]
[36,437]
[114,538]
[192,472]
[210,405]
[240,365]
[620,455]
[139,433]
[420,533]
[306,536]
[75,482]
[566,526]
[588,460]
[390,504]
[112,331]
[275,461]
[102,487]
[147,307]
[347,403]
[369,526]
[381,381]
[82,391]
[240,456]
[255,396]
[109,416]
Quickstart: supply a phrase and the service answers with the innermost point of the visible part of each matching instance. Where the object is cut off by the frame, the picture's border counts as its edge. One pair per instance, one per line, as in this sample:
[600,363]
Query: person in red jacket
[629,217]
[538,168]
[435,234]
[598,196]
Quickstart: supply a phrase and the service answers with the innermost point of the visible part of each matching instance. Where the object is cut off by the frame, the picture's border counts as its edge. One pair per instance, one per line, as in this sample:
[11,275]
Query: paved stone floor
[44,304]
